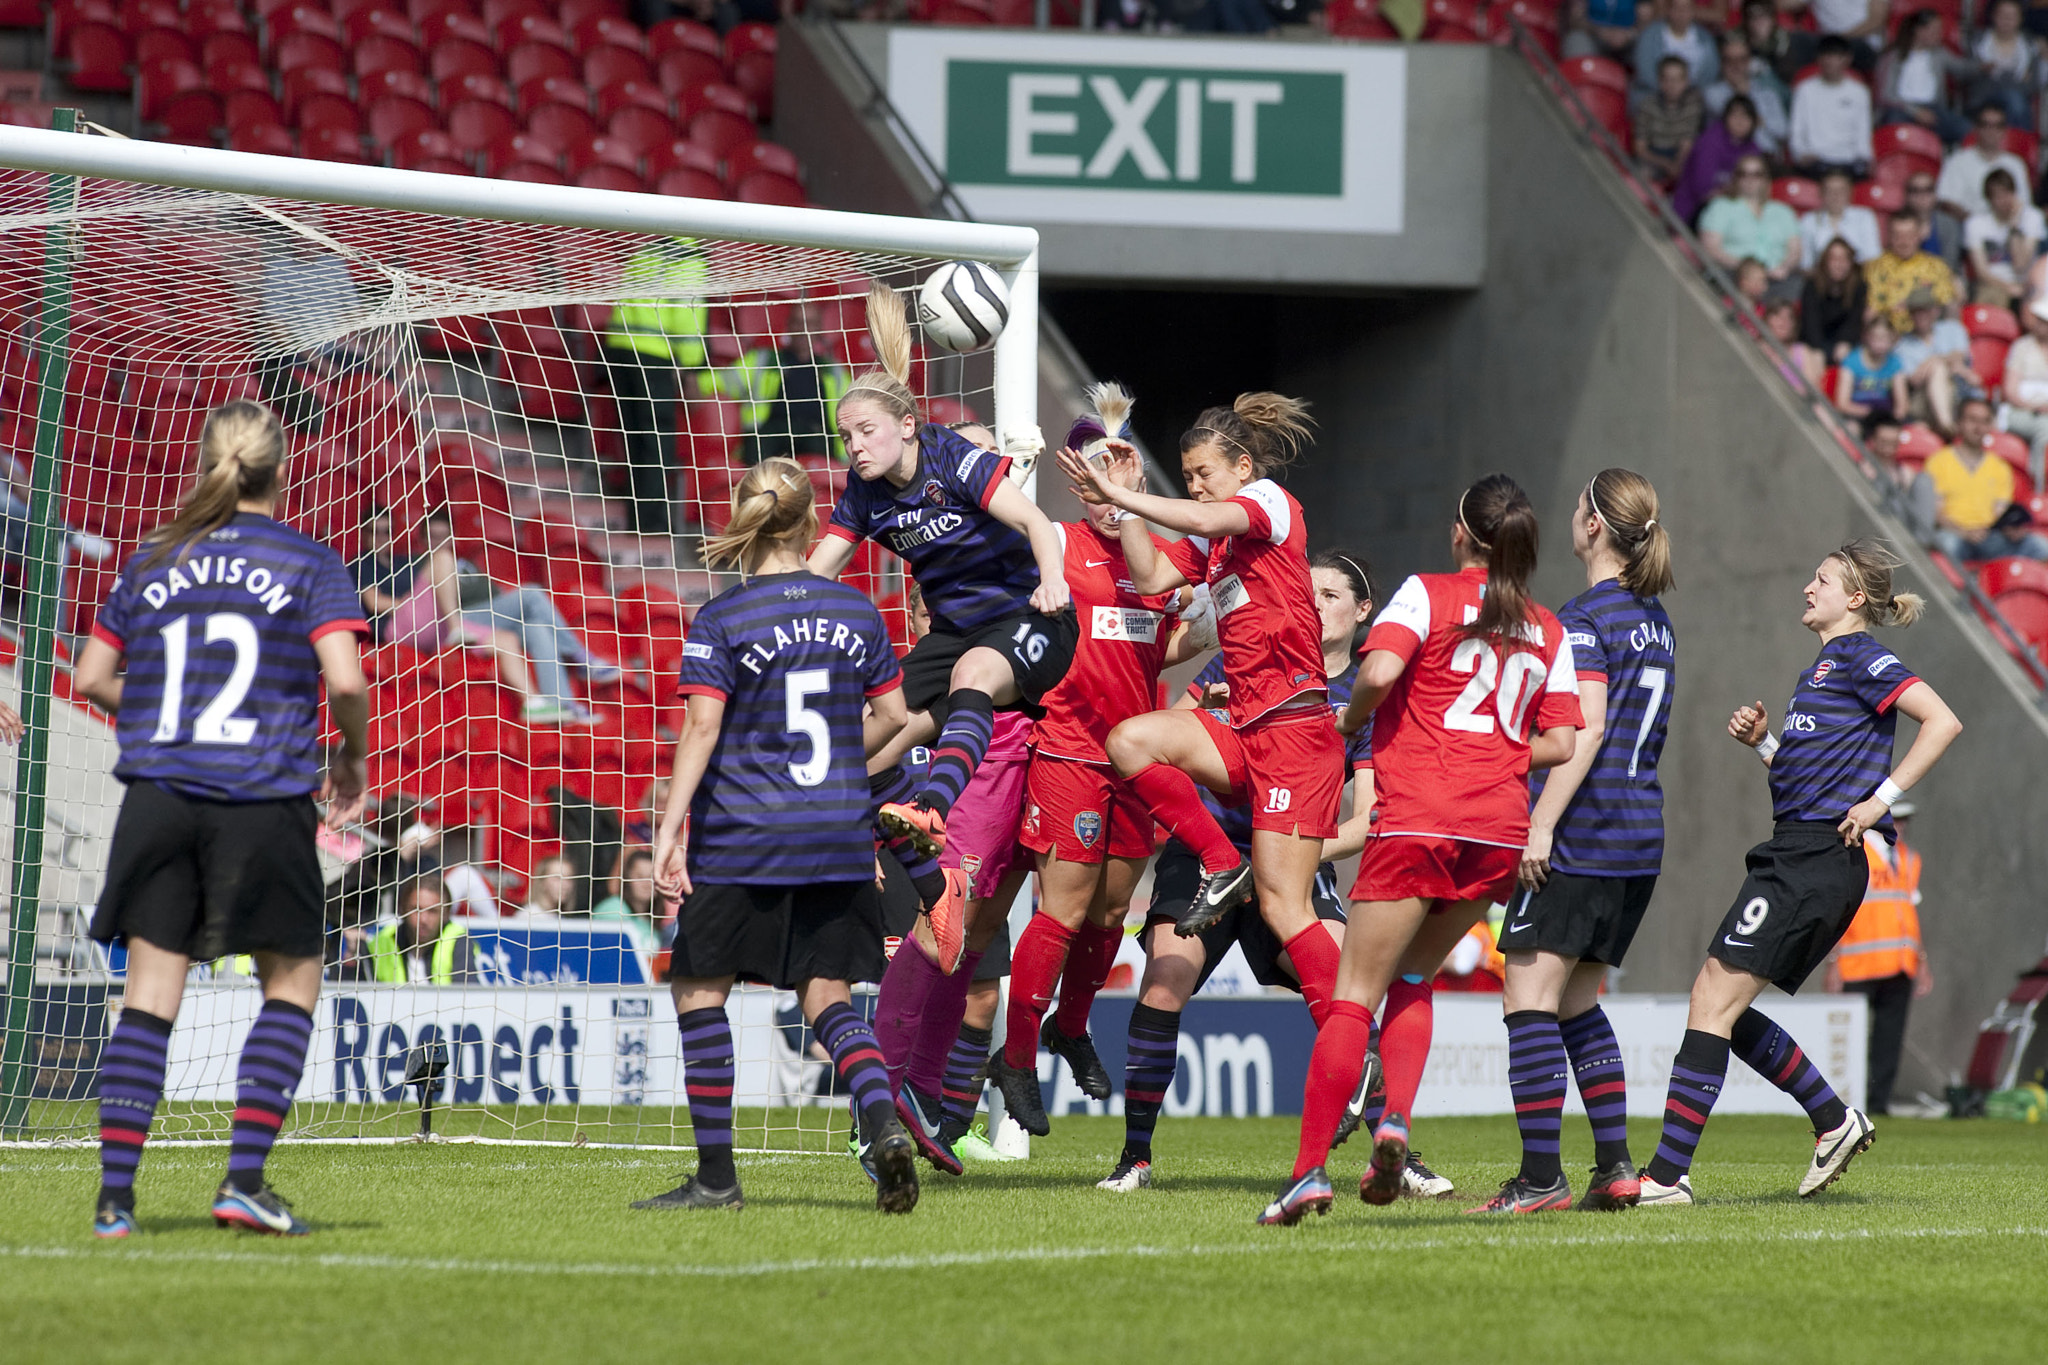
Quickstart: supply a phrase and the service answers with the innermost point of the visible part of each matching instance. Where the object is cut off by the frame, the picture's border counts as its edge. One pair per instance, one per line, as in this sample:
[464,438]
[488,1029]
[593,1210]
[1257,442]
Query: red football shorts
[1399,867]
[1080,812]
[1288,768]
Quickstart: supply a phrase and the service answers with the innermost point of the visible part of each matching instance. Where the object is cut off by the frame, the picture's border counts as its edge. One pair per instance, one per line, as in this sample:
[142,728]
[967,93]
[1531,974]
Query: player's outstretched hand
[1749,724]
[348,778]
[1050,597]
[1090,484]
[671,873]
[1535,868]
[1215,696]
[1862,816]
[11,728]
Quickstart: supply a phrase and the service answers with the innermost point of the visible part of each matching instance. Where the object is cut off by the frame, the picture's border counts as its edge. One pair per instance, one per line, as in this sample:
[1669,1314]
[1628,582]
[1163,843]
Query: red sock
[1035,965]
[1404,1042]
[1171,796]
[1088,962]
[1333,1072]
[1315,955]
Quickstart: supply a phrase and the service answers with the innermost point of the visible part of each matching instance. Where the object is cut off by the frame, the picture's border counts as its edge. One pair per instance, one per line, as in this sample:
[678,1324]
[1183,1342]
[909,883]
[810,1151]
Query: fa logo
[1279,798]
[1088,827]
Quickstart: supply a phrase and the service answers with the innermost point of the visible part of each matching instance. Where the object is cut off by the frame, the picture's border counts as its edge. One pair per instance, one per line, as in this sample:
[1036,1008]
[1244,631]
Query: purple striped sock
[938,1033]
[273,1059]
[960,1093]
[1770,1052]
[956,753]
[858,1059]
[1538,1076]
[131,1083]
[707,1081]
[1151,1050]
[1697,1074]
[1596,1065]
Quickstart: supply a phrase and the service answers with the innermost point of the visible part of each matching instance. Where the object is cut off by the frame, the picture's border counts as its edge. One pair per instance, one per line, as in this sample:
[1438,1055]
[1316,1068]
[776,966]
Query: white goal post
[437,344]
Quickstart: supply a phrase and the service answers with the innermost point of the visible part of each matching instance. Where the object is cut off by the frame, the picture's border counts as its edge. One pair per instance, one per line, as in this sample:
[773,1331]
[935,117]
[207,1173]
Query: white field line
[969,1259]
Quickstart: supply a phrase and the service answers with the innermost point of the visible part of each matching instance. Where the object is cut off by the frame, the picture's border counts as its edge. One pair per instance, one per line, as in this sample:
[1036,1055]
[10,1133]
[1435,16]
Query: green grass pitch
[1935,1246]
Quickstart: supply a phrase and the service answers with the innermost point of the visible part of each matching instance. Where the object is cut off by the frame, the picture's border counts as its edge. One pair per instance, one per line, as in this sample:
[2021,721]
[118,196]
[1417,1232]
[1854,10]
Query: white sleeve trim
[1273,501]
[1408,608]
[1564,674]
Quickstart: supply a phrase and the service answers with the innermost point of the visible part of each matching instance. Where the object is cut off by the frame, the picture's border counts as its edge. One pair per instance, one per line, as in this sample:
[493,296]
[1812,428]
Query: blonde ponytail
[889,386]
[241,454]
[1867,566]
[773,505]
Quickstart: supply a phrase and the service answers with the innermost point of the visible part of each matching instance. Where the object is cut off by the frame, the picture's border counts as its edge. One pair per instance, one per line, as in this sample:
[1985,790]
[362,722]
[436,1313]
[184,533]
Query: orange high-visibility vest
[1884,939]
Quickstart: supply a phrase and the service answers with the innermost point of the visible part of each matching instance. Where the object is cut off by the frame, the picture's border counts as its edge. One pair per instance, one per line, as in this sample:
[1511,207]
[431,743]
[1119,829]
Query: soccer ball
[963,306]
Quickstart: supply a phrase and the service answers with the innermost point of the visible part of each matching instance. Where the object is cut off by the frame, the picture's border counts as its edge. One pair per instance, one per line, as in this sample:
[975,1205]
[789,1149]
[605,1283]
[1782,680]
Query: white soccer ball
[963,306]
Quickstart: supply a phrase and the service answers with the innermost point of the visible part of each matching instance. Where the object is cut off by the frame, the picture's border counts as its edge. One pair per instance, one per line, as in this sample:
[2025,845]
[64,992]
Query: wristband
[1767,747]
[1889,791]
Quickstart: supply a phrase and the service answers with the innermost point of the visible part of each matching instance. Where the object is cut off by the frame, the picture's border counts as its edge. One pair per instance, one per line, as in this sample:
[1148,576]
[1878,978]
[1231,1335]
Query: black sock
[931,886]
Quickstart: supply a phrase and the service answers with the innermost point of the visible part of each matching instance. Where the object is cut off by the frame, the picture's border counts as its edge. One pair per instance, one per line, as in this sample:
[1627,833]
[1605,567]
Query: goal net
[553,390]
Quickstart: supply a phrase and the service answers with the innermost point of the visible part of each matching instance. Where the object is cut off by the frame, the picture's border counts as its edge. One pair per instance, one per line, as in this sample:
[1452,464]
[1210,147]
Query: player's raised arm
[11,728]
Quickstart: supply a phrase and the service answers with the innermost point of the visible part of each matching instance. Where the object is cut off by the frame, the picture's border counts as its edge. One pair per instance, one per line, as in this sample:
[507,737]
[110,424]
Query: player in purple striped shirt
[990,566]
[775,871]
[1596,842]
[229,622]
[1829,787]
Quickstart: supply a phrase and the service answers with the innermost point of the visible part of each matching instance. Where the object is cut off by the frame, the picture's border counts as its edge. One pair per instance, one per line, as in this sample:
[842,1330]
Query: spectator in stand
[1917,76]
[1752,283]
[1976,518]
[1903,268]
[1935,355]
[423,945]
[1860,24]
[551,894]
[1871,382]
[383,576]
[1831,308]
[1780,49]
[1881,957]
[1961,187]
[1751,78]
[2010,69]
[632,907]
[1831,115]
[1599,28]
[1837,218]
[1678,34]
[789,396]
[1127,16]
[1710,166]
[1666,124]
[653,338]
[1781,320]
[1881,438]
[2002,242]
[1749,223]
[1943,232]
[2026,390]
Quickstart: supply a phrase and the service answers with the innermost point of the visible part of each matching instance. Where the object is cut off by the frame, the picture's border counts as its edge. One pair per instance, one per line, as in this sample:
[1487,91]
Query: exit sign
[1093,128]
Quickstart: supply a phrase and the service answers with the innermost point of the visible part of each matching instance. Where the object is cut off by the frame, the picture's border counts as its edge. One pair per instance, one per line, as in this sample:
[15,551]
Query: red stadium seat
[205,18]
[711,95]
[745,38]
[443,165]
[190,115]
[330,112]
[2007,575]
[298,50]
[98,56]
[607,30]
[452,58]
[1917,444]
[1919,148]
[577,15]
[1453,21]
[218,48]
[753,75]
[1987,358]
[478,124]
[632,95]
[1796,191]
[287,20]
[413,150]
[371,21]
[681,153]
[607,65]
[641,127]
[66,14]
[231,75]
[533,172]
[458,24]
[552,90]
[1537,18]
[424,12]
[157,83]
[690,183]
[1598,71]
[388,118]
[600,150]
[561,125]
[244,108]
[301,85]
[1981,320]
[162,44]
[480,87]
[723,131]
[378,53]
[959,13]
[671,35]
[772,157]
[332,144]
[271,139]
[2013,451]
[604,177]
[519,147]
[1879,198]
[765,187]
[535,61]
[686,68]
[518,29]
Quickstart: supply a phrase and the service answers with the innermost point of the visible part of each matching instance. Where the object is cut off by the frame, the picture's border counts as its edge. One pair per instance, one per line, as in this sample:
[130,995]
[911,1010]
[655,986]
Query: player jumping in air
[229,622]
[1176,967]
[988,563]
[1596,842]
[1247,545]
[1474,688]
[775,873]
[1829,785]
[1091,833]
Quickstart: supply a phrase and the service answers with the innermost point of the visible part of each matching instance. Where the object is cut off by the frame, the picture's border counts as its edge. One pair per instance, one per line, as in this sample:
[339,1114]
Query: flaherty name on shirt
[756,655]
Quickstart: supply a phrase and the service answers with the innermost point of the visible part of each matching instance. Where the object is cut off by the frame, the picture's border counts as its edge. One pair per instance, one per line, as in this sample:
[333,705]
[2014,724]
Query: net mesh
[478,369]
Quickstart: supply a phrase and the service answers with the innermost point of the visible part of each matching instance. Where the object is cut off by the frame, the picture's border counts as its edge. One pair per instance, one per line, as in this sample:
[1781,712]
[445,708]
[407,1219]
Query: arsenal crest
[1088,827]
[1821,671]
[934,493]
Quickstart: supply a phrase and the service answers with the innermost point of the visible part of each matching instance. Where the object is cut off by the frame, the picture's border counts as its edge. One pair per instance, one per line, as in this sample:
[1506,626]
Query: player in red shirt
[1091,832]
[1471,686]
[1279,750]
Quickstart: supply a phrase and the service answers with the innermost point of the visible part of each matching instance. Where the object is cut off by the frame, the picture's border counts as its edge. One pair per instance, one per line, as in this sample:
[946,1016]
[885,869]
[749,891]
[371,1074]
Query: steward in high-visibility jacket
[667,317]
[448,962]
[1884,939]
